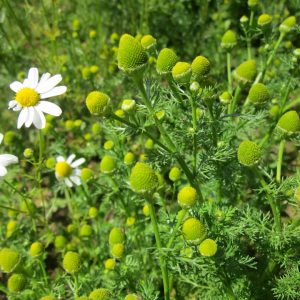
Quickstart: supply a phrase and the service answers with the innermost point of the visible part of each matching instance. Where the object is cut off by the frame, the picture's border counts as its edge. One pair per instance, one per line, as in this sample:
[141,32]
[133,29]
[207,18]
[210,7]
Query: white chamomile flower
[29,98]
[67,170]
[5,160]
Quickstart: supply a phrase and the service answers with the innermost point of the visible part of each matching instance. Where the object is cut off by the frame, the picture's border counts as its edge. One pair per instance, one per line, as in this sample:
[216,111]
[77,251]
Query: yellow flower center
[63,169]
[27,97]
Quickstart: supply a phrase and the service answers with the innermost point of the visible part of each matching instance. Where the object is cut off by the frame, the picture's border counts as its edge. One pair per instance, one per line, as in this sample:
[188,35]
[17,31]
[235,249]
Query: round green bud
[252,3]
[88,136]
[174,174]
[117,250]
[193,231]
[132,58]
[108,145]
[249,153]
[49,297]
[120,113]
[132,297]
[187,197]
[93,212]
[16,283]
[187,252]
[146,210]
[97,103]
[194,86]
[225,97]
[160,114]
[208,248]
[110,264]
[130,221]
[258,94]
[128,105]
[229,40]
[149,144]
[85,230]
[96,128]
[94,69]
[70,228]
[50,163]
[116,236]
[78,123]
[9,137]
[86,174]
[9,259]
[69,124]
[100,294]
[148,42]
[129,158]
[264,20]
[289,123]
[71,262]
[143,178]
[28,153]
[182,72]
[200,67]
[246,71]
[11,225]
[108,164]
[244,19]
[166,60]
[36,249]
[274,111]
[60,242]
[297,52]
[288,24]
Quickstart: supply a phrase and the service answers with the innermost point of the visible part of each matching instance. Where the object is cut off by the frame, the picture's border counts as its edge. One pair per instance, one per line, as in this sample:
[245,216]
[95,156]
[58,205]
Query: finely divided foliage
[167,167]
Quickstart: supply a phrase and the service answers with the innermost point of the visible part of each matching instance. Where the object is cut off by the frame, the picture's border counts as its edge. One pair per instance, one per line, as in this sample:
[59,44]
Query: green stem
[75,285]
[229,72]
[42,267]
[194,121]
[175,230]
[279,160]
[174,88]
[231,108]
[163,265]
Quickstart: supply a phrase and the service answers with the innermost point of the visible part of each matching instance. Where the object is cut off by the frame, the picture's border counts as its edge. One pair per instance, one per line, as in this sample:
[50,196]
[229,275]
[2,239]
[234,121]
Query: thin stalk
[75,286]
[174,88]
[194,121]
[175,230]
[42,267]
[279,160]
[229,76]
[231,107]
[162,262]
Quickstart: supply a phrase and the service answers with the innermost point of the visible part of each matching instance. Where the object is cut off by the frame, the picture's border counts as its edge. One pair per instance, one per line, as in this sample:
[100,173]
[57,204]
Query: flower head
[193,231]
[258,93]
[289,123]
[71,262]
[264,19]
[288,24]
[97,103]
[67,170]
[29,98]
[249,153]
[16,283]
[182,72]
[9,259]
[166,60]
[100,294]
[187,197]
[229,40]
[116,236]
[208,247]
[200,67]
[6,160]
[246,71]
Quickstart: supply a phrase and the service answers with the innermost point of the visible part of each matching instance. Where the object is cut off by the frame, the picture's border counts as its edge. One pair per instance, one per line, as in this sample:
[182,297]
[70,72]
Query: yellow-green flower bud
[146,210]
[289,123]
[36,249]
[166,60]
[28,153]
[130,221]
[249,153]
[50,163]
[194,86]
[110,264]
[108,145]
[128,105]
[71,262]
[69,124]
[246,71]
[120,113]
[85,230]
[149,144]
[96,128]
[70,228]
[174,174]
[160,115]
[86,174]
[100,294]
[187,197]
[94,69]
[117,250]
[182,72]
[193,231]
[60,242]
[244,19]
[258,94]
[108,164]
[132,297]
[200,67]
[9,259]
[296,52]
[143,178]
[148,42]
[264,20]
[129,158]
[75,24]
[132,58]
[225,97]
[16,283]
[288,24]
[97,103]
[93,212]
[208,248]
[229,40]
[116,236]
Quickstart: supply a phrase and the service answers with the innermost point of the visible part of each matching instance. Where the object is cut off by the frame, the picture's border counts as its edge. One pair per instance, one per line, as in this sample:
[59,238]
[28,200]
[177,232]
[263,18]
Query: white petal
[48,84]
[60,158]
[39,120]
[68,182]
[33,76]
[59,90]
[3,171]
[8,159]
[77,172]
[77,162]
[30,116]
[23,116]
[12,104]
[49,108]
[28,83]
[70,158]
[16,86]
[1,137]
[76,180]
[18,107]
